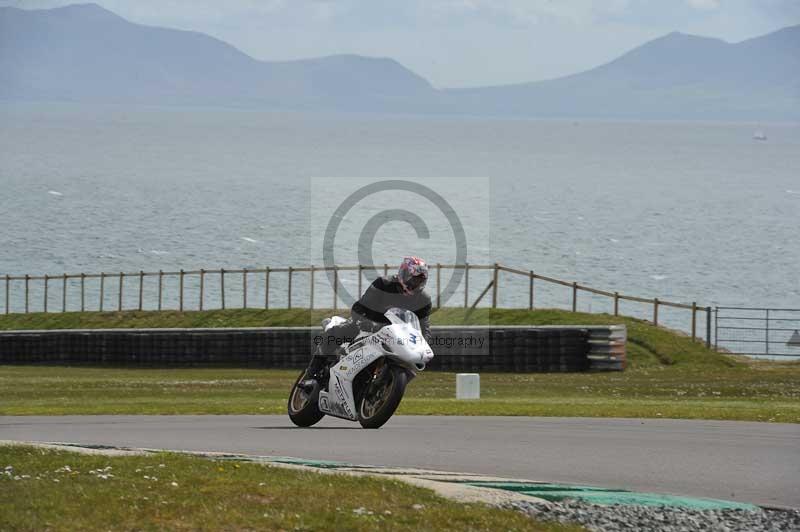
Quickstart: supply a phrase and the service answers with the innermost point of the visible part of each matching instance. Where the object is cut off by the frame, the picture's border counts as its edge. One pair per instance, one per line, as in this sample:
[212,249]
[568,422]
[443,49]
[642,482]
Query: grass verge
[753,394]
[52,490]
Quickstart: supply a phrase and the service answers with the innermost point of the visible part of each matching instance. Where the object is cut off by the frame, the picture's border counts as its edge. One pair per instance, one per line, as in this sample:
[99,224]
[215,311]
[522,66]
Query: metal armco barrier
[479,348]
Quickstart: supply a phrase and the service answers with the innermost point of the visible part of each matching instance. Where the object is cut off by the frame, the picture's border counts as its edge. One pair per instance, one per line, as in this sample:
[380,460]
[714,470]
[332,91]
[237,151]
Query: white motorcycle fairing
[401,341]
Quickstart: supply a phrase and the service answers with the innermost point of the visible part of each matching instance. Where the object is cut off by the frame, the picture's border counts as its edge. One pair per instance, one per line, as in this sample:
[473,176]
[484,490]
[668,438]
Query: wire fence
[324,287]
[765,332]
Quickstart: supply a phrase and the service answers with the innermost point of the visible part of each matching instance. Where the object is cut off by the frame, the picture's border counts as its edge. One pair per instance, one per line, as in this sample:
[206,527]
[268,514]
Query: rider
[404,290]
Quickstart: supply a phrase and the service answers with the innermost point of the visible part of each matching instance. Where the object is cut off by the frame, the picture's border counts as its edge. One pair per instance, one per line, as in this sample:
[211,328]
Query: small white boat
[759,135]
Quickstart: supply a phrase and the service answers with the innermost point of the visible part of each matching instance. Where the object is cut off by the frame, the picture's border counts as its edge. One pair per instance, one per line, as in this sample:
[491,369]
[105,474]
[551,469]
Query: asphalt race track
[742,461]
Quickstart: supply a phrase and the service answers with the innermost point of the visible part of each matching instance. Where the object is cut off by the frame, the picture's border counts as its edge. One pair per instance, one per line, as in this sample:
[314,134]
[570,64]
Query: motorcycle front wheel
[381,399]
[303,407]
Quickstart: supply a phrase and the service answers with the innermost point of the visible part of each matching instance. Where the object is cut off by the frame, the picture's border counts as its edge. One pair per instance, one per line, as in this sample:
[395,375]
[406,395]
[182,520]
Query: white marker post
[468,386]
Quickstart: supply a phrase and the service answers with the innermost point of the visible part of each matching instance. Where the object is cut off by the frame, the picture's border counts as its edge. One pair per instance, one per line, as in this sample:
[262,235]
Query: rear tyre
[303,407]
[380,400]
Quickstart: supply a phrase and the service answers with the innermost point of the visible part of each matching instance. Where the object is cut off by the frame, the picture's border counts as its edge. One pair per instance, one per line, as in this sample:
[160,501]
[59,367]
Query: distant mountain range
[84,53]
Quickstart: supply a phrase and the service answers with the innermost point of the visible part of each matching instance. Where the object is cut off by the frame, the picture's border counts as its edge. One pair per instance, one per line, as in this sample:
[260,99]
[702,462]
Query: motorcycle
[366,379]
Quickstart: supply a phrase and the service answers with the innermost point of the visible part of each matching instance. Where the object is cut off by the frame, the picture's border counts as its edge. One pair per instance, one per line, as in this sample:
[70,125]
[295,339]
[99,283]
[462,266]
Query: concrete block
[468,386]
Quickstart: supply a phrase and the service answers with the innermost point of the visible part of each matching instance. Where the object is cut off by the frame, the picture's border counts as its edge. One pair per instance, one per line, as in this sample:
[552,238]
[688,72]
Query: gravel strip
[613,518]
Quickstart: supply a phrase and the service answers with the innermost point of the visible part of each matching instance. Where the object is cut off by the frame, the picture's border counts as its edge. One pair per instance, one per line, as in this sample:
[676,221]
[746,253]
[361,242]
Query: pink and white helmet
[413,275]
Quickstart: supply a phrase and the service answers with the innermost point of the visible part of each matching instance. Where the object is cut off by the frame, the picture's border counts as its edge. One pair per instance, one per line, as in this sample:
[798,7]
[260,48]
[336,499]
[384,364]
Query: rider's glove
[368,325]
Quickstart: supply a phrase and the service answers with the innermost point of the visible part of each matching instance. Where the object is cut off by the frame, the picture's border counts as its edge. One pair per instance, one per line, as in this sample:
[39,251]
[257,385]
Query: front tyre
[303,407]
[381,399]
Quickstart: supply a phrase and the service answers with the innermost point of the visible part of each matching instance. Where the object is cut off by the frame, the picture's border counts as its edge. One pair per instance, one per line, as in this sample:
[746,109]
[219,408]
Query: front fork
[317,370]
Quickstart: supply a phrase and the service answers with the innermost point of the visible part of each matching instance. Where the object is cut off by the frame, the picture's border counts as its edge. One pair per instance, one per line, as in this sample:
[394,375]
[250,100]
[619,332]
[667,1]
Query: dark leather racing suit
[367,314]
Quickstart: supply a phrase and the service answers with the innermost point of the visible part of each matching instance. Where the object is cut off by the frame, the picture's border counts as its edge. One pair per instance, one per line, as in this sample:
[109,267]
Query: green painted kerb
[549,492]
[321,464]
[559,492]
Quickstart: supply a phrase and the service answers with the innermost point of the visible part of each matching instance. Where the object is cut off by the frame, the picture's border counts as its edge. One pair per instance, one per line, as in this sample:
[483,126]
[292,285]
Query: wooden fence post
[266,288]
[160,287]
[335,287]
[311,295]
[289,290]
[655,311]
[121,281]
[574,296]
[102,289]
[46,283]
[27,291]
[64,293]
[438,285]
[494,285]
[466,284]
[202,288]
[708,327]
[244,288]
[616,303]
[385,270]
[694,320]
[83,292]
[141,289]
[8,282]
[222,286]
[180,297]
[531,277]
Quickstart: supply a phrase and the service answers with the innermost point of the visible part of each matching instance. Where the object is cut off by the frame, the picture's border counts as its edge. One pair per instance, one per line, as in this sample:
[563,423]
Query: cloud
[525,12]
[703,5]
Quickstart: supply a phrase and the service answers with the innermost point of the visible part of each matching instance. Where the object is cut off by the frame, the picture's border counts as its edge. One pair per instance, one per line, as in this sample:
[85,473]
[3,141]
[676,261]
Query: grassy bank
[48,490]
[669,376]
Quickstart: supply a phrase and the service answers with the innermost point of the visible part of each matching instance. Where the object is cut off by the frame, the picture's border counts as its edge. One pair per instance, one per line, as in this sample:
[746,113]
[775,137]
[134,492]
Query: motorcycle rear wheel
[303,407]
[377,406]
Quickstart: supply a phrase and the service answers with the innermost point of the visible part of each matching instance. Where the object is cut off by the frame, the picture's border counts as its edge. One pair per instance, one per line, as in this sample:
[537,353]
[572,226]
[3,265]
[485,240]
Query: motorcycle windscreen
[399,316]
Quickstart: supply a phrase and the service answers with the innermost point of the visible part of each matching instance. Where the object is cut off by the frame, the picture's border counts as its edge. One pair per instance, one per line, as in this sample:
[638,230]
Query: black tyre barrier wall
[485,348]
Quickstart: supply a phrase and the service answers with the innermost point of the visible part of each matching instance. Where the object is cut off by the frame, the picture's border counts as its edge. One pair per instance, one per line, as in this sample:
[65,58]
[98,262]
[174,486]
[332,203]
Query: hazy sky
[456,43]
